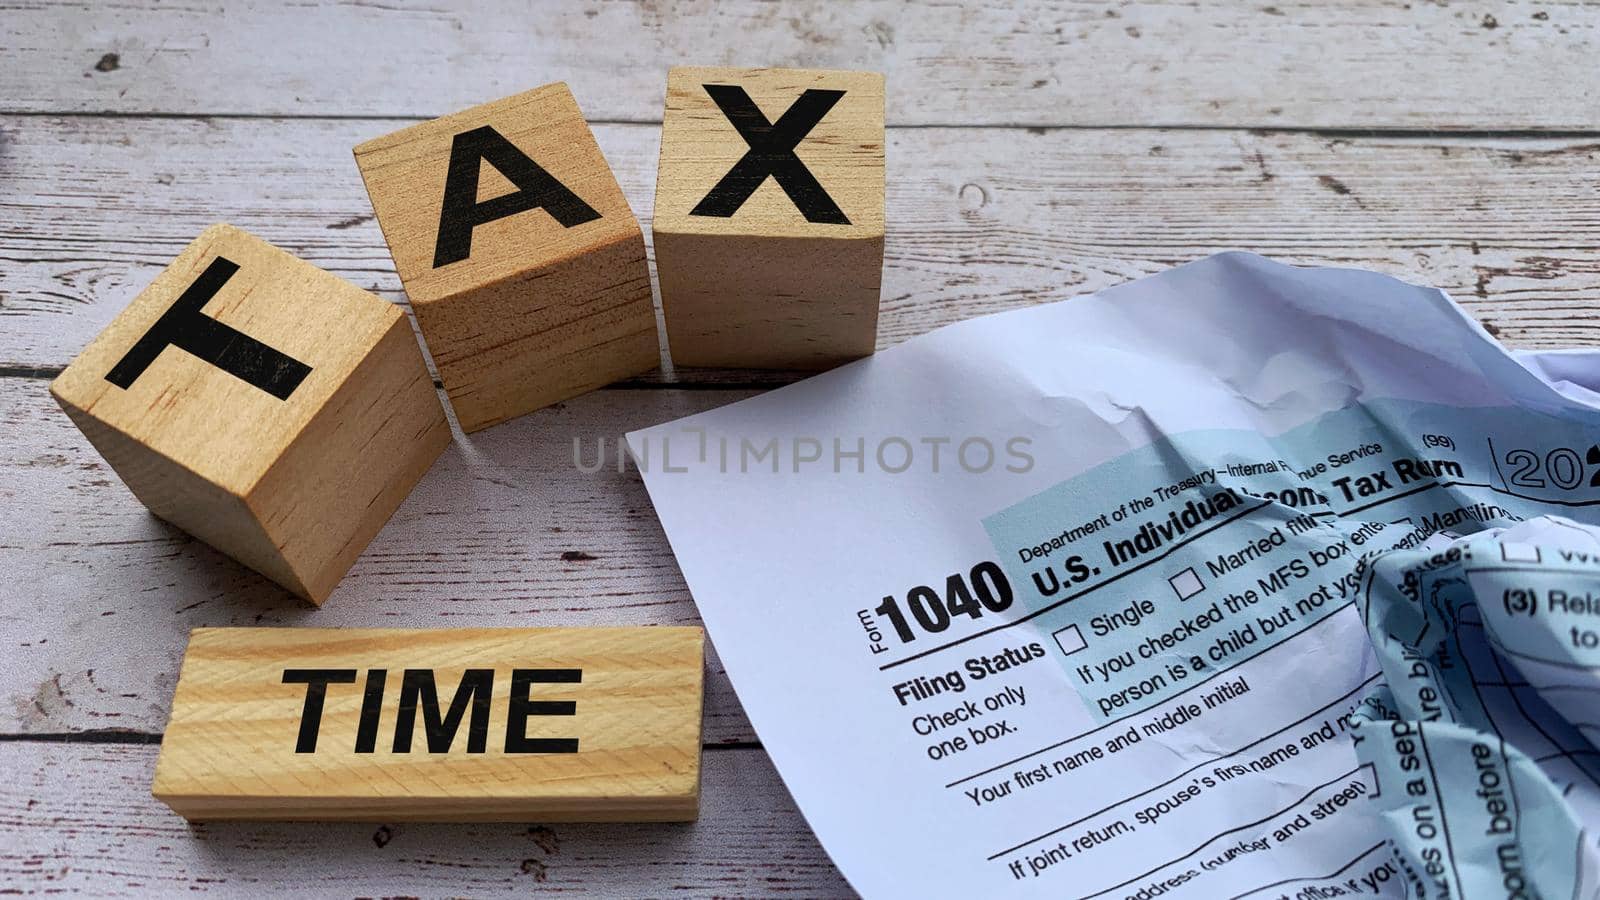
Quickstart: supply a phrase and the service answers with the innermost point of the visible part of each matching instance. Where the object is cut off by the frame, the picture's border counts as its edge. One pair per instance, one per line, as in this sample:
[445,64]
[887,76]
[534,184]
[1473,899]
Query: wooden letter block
[769,216]
[444,725]
[266,407]
[523,262]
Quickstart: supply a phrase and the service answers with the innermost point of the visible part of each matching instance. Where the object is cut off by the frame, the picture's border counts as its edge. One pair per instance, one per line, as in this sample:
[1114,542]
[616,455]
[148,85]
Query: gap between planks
[1505,64]
[1329,131]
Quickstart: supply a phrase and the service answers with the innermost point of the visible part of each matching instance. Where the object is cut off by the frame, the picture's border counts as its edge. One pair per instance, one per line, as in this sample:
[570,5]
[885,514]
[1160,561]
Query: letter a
[536,189]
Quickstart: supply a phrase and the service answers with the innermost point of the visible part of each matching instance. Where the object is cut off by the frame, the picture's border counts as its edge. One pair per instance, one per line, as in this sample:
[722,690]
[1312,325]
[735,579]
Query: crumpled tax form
[1483,728]
[1240,580]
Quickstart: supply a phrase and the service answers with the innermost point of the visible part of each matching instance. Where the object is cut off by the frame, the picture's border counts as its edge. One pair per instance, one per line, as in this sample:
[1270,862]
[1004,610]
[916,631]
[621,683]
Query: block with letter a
[267,407]
[523,262]
[769,216]
[444,724]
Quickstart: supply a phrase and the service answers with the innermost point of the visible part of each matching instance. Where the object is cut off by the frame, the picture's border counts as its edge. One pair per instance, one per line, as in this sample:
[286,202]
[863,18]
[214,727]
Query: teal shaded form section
[1160,572]
[1482,740]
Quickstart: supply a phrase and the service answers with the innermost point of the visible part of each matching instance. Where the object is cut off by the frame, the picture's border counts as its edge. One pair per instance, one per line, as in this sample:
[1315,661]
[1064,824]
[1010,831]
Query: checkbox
[1186,584]
[1519,553]
[1070,639]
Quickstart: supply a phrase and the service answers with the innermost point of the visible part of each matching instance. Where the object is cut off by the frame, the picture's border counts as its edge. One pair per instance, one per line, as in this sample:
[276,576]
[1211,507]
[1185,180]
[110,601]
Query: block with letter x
[769,216]
[523,262]
[261,404]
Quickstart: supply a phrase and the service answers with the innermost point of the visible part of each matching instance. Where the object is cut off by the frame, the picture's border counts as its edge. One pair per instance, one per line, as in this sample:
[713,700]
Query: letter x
[772,154]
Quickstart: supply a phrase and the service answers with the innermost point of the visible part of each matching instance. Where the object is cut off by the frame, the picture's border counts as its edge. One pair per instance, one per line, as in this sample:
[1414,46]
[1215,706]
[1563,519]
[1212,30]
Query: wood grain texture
[79,818]
[504,531]
[979,221]
[487,725]
[769,216]
[530,284]
[1289,63]
[288,455]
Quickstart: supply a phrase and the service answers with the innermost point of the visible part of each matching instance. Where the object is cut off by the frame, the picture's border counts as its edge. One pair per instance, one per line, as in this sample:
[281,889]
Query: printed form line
[1202,533]
[1205,762]
[1165,700]
[1222,834]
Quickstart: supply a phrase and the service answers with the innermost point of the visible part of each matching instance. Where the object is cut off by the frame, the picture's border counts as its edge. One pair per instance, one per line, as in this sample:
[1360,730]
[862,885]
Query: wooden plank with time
[452,724]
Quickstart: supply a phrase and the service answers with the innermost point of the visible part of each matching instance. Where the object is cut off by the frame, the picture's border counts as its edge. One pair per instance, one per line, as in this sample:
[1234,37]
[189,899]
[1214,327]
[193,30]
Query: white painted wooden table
[1036,151]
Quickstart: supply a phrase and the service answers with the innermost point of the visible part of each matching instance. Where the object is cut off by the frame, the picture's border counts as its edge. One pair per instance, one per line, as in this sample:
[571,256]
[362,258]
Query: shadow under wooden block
[769,216]
[519,252]
[267,407]
[443,725]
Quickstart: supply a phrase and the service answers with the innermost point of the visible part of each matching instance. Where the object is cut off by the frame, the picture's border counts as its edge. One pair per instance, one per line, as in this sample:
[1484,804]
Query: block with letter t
[523,262]
[769,216]
[269,408]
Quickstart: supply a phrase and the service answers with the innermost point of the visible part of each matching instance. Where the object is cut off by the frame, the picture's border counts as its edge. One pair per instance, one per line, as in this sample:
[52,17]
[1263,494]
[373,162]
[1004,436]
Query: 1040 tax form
[1237,581]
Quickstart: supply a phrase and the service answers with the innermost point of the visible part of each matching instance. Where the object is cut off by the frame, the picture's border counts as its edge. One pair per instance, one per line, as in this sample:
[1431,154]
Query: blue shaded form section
[1166,567]
[1161,573]
[1482,740]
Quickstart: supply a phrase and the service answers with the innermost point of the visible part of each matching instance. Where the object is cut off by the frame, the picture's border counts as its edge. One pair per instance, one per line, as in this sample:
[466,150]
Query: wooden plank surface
[554,724]
[80,818]
[503,531]
[980,220]
[1036,151]
[1286,63]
